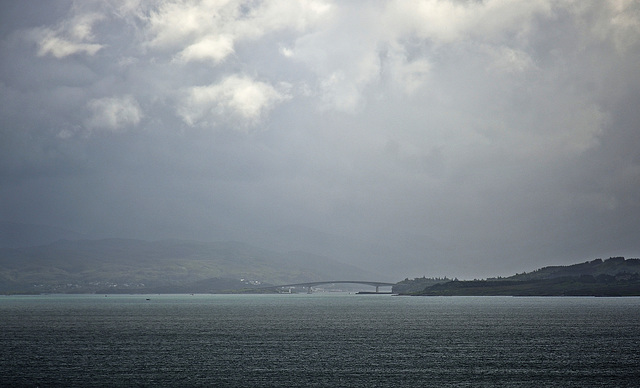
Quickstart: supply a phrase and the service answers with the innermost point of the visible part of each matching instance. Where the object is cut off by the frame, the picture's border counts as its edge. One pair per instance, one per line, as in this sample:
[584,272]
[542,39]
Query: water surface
[318,340]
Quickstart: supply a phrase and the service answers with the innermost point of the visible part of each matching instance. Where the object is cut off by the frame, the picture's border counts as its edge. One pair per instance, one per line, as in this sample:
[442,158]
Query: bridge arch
[377,285]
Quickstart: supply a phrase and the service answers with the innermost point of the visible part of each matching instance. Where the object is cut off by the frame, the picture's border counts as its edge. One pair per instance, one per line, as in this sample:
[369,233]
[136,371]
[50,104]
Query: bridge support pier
[377,289]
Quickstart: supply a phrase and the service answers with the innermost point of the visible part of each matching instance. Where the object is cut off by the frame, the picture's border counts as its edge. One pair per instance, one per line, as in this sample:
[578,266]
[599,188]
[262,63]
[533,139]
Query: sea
[318,340]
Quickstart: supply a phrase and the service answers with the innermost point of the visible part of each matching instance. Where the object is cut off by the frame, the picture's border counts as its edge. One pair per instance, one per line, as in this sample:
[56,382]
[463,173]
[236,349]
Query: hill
[613,277]
[16,234]
[611,266]
[111,265]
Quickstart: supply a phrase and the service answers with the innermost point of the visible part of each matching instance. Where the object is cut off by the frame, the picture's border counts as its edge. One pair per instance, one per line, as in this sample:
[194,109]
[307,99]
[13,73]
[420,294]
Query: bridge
[377,285]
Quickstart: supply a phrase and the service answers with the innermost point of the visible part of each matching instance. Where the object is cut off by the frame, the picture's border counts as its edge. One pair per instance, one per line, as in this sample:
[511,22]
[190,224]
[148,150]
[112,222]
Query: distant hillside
[611,266]
[135,265]
[613,277]
[15,234]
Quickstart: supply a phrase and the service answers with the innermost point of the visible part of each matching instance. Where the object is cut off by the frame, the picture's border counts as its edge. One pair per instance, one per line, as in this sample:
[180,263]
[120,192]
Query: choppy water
[319,340]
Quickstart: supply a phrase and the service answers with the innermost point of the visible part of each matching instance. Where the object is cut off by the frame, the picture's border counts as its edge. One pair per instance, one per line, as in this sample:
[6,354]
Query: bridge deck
[312,284]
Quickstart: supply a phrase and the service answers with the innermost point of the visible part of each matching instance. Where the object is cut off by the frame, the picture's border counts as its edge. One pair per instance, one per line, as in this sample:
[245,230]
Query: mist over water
[318,340]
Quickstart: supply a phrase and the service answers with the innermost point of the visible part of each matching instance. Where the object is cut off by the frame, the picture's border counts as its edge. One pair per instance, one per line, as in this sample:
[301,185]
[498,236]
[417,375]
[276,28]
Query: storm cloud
[433,137]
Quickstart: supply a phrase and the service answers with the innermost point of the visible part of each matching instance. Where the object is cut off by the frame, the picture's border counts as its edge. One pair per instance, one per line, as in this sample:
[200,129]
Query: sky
[413,138]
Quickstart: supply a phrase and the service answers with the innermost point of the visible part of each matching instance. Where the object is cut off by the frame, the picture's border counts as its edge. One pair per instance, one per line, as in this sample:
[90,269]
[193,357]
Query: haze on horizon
[433,137]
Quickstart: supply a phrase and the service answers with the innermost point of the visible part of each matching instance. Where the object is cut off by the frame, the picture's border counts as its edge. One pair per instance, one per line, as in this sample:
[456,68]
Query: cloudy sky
[429,137]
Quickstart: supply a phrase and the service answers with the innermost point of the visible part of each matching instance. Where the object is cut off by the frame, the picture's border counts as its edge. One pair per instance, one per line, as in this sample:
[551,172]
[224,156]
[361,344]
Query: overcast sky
[444,137]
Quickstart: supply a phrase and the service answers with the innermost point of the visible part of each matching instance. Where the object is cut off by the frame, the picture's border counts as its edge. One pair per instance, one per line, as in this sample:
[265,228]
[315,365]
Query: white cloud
[215,48]
[60,48]
[236,98]
[340,93]
[69,37]
[113,113]
[451,21]
[271,16]
[616,21]
[509,60]
[361,44]
[209,29]
[173,24]
[287,52]
[406,75]
[343,53]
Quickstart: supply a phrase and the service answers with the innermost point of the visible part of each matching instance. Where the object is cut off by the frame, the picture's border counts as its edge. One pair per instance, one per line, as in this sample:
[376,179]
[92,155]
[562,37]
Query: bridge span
[377,285]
